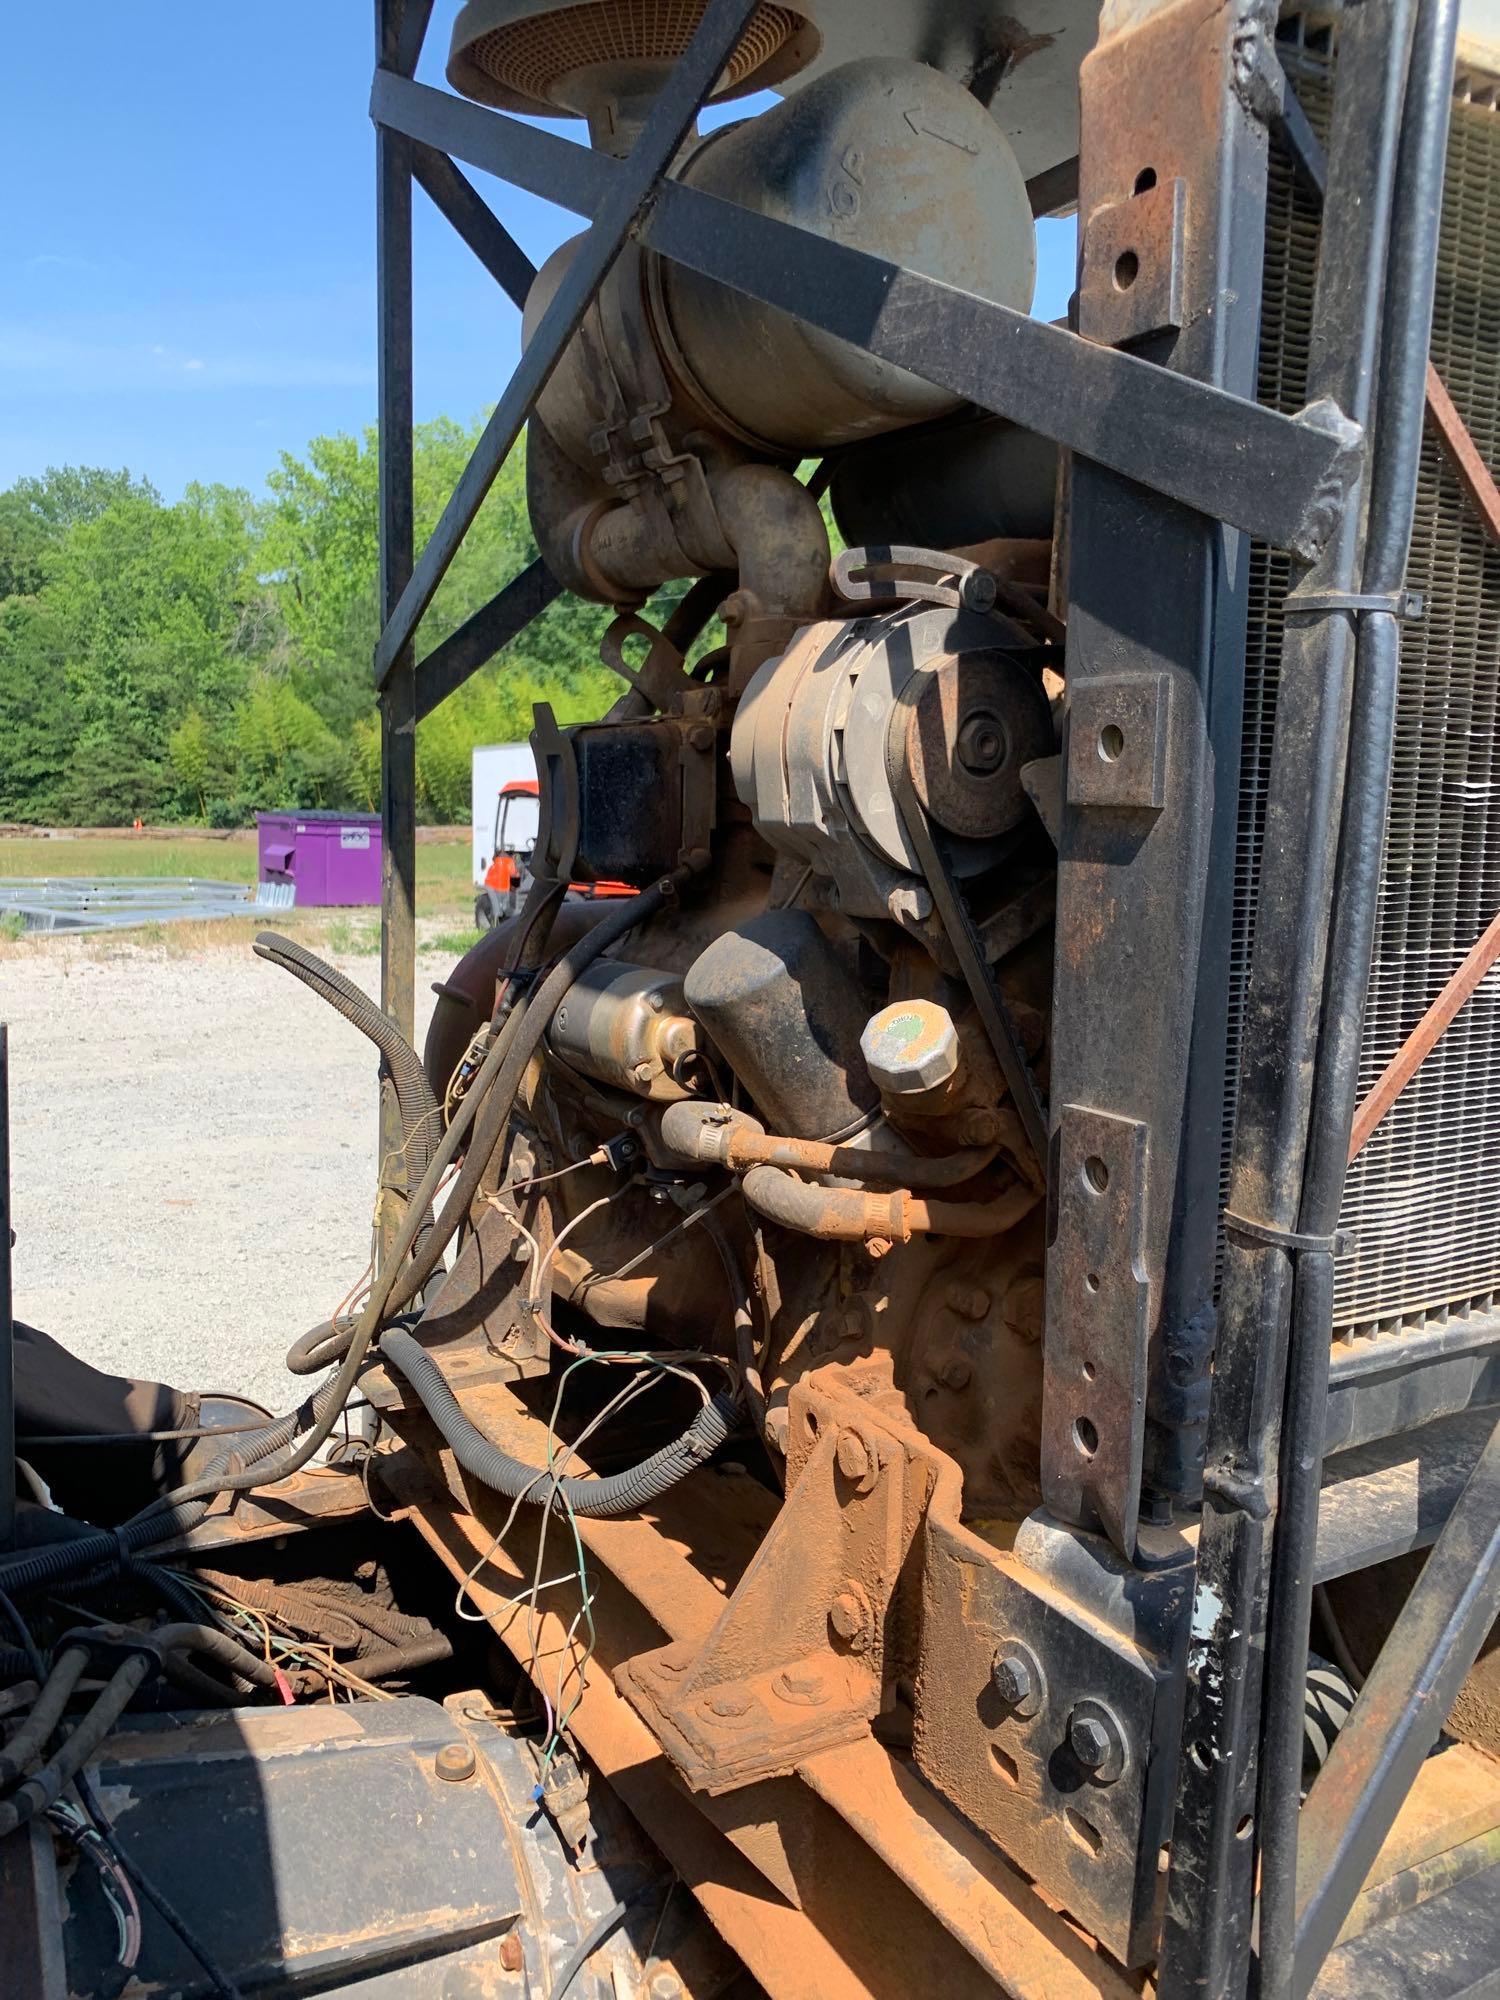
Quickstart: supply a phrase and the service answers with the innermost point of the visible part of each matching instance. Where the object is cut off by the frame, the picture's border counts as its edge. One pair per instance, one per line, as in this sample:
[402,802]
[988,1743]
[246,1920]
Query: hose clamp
[1396,603]
[1294,1242]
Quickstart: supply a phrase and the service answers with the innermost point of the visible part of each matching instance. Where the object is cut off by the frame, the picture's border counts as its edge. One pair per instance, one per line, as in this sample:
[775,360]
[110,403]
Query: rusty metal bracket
[1133,253]
[1094,1398]
[659,678]
[1062,1768]
[1119,730]
[800,1659]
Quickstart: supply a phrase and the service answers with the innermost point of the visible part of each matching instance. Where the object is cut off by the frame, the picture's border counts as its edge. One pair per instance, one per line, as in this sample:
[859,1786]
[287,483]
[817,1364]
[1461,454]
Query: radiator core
[1423,1199]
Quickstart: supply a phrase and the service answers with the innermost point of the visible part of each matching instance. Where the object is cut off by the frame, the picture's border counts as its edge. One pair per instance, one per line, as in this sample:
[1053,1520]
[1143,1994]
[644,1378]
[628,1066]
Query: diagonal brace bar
[1282,479]
[480,637]
[1425,1037]
[625,194]
[1395,1722]
[492,243]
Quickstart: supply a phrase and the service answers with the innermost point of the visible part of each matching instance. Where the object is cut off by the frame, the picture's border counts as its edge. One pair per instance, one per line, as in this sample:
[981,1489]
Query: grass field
[445,897]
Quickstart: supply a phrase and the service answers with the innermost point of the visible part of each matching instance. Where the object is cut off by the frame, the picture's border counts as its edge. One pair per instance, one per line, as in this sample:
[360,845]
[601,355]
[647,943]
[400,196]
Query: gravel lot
[193,1142]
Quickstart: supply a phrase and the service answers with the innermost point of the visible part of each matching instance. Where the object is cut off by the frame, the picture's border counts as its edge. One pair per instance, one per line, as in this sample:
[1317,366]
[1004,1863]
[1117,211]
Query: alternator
[822,728]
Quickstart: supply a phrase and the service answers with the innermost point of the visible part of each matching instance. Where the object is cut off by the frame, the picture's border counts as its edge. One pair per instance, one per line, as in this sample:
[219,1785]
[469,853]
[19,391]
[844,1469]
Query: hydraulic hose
[421,1114]
[51,1781]
[216,1646]
[853,1215]
[494,1089]
[620,1493]
[30,1739]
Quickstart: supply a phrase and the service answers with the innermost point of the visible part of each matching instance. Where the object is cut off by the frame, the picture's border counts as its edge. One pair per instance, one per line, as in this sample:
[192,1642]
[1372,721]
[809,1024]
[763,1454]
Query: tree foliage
[201,659]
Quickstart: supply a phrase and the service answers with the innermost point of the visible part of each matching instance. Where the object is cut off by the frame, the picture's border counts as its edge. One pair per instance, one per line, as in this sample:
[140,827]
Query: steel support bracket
[1063,1767]
[801,1659]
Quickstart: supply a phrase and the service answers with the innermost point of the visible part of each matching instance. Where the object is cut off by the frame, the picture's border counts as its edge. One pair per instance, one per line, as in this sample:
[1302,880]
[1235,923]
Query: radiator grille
[1423,1199]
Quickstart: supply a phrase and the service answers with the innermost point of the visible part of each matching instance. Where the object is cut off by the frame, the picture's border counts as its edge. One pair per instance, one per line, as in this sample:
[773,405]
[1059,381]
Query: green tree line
[197,660]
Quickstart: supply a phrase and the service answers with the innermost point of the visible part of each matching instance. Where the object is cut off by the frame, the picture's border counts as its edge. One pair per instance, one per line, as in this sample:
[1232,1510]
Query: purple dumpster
[331,857]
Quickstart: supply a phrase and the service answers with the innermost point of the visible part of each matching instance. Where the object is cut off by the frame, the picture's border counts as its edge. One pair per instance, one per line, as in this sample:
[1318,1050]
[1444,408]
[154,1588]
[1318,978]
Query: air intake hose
[621,1493]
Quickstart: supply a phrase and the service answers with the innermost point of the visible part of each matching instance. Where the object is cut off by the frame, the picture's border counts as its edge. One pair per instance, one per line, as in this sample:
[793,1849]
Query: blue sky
[187,278]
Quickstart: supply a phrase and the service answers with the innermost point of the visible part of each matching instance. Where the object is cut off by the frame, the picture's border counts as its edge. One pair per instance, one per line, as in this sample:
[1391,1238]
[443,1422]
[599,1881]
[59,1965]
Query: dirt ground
[193,1140]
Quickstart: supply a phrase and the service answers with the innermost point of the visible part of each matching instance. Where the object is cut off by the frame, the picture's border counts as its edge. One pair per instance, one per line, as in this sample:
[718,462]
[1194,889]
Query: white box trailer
[496,765]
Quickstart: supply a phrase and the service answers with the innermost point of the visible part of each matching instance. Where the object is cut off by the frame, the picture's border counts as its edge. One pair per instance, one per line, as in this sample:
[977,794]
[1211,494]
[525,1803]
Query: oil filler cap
[912,1045]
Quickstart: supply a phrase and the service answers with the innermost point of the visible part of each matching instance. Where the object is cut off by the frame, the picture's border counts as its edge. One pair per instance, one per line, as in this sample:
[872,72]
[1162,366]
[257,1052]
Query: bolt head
[728,1704]
[969,1301]
[909,903]
[910,1046]
[512,1957]
[455,1762]
[981,746]
[854,1459]
[1089,1741]
[849,1615]
[1012,1678]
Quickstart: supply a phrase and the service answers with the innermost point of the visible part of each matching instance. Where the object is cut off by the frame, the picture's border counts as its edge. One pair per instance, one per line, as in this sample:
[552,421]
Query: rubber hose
[421,1114]
[494,1088]
[178,1512]
[512,1052]
[620,1493]
[407,1658]
[500,1073]
[218,1647]
[30,1739]
[49,1783]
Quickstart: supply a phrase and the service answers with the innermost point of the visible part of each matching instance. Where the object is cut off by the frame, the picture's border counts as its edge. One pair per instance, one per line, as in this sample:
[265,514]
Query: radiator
[1422,1201]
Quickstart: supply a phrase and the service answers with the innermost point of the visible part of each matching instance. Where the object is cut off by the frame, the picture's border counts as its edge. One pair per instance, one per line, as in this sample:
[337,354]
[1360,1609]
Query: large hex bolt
[1016,1676]
[1012,1678]
[1096,1740]
[910,1046]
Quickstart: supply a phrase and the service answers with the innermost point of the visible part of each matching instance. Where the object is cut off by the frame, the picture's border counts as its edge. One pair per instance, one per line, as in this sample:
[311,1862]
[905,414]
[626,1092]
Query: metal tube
[1210,1885]
[1410,276]
[398,739]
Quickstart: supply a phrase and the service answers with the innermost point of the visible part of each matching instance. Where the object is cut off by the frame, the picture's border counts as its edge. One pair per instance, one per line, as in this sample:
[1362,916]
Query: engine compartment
[779,1097]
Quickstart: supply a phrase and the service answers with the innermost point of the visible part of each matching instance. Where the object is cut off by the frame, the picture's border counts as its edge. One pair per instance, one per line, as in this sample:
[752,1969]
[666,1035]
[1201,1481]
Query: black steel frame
[1186,444]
